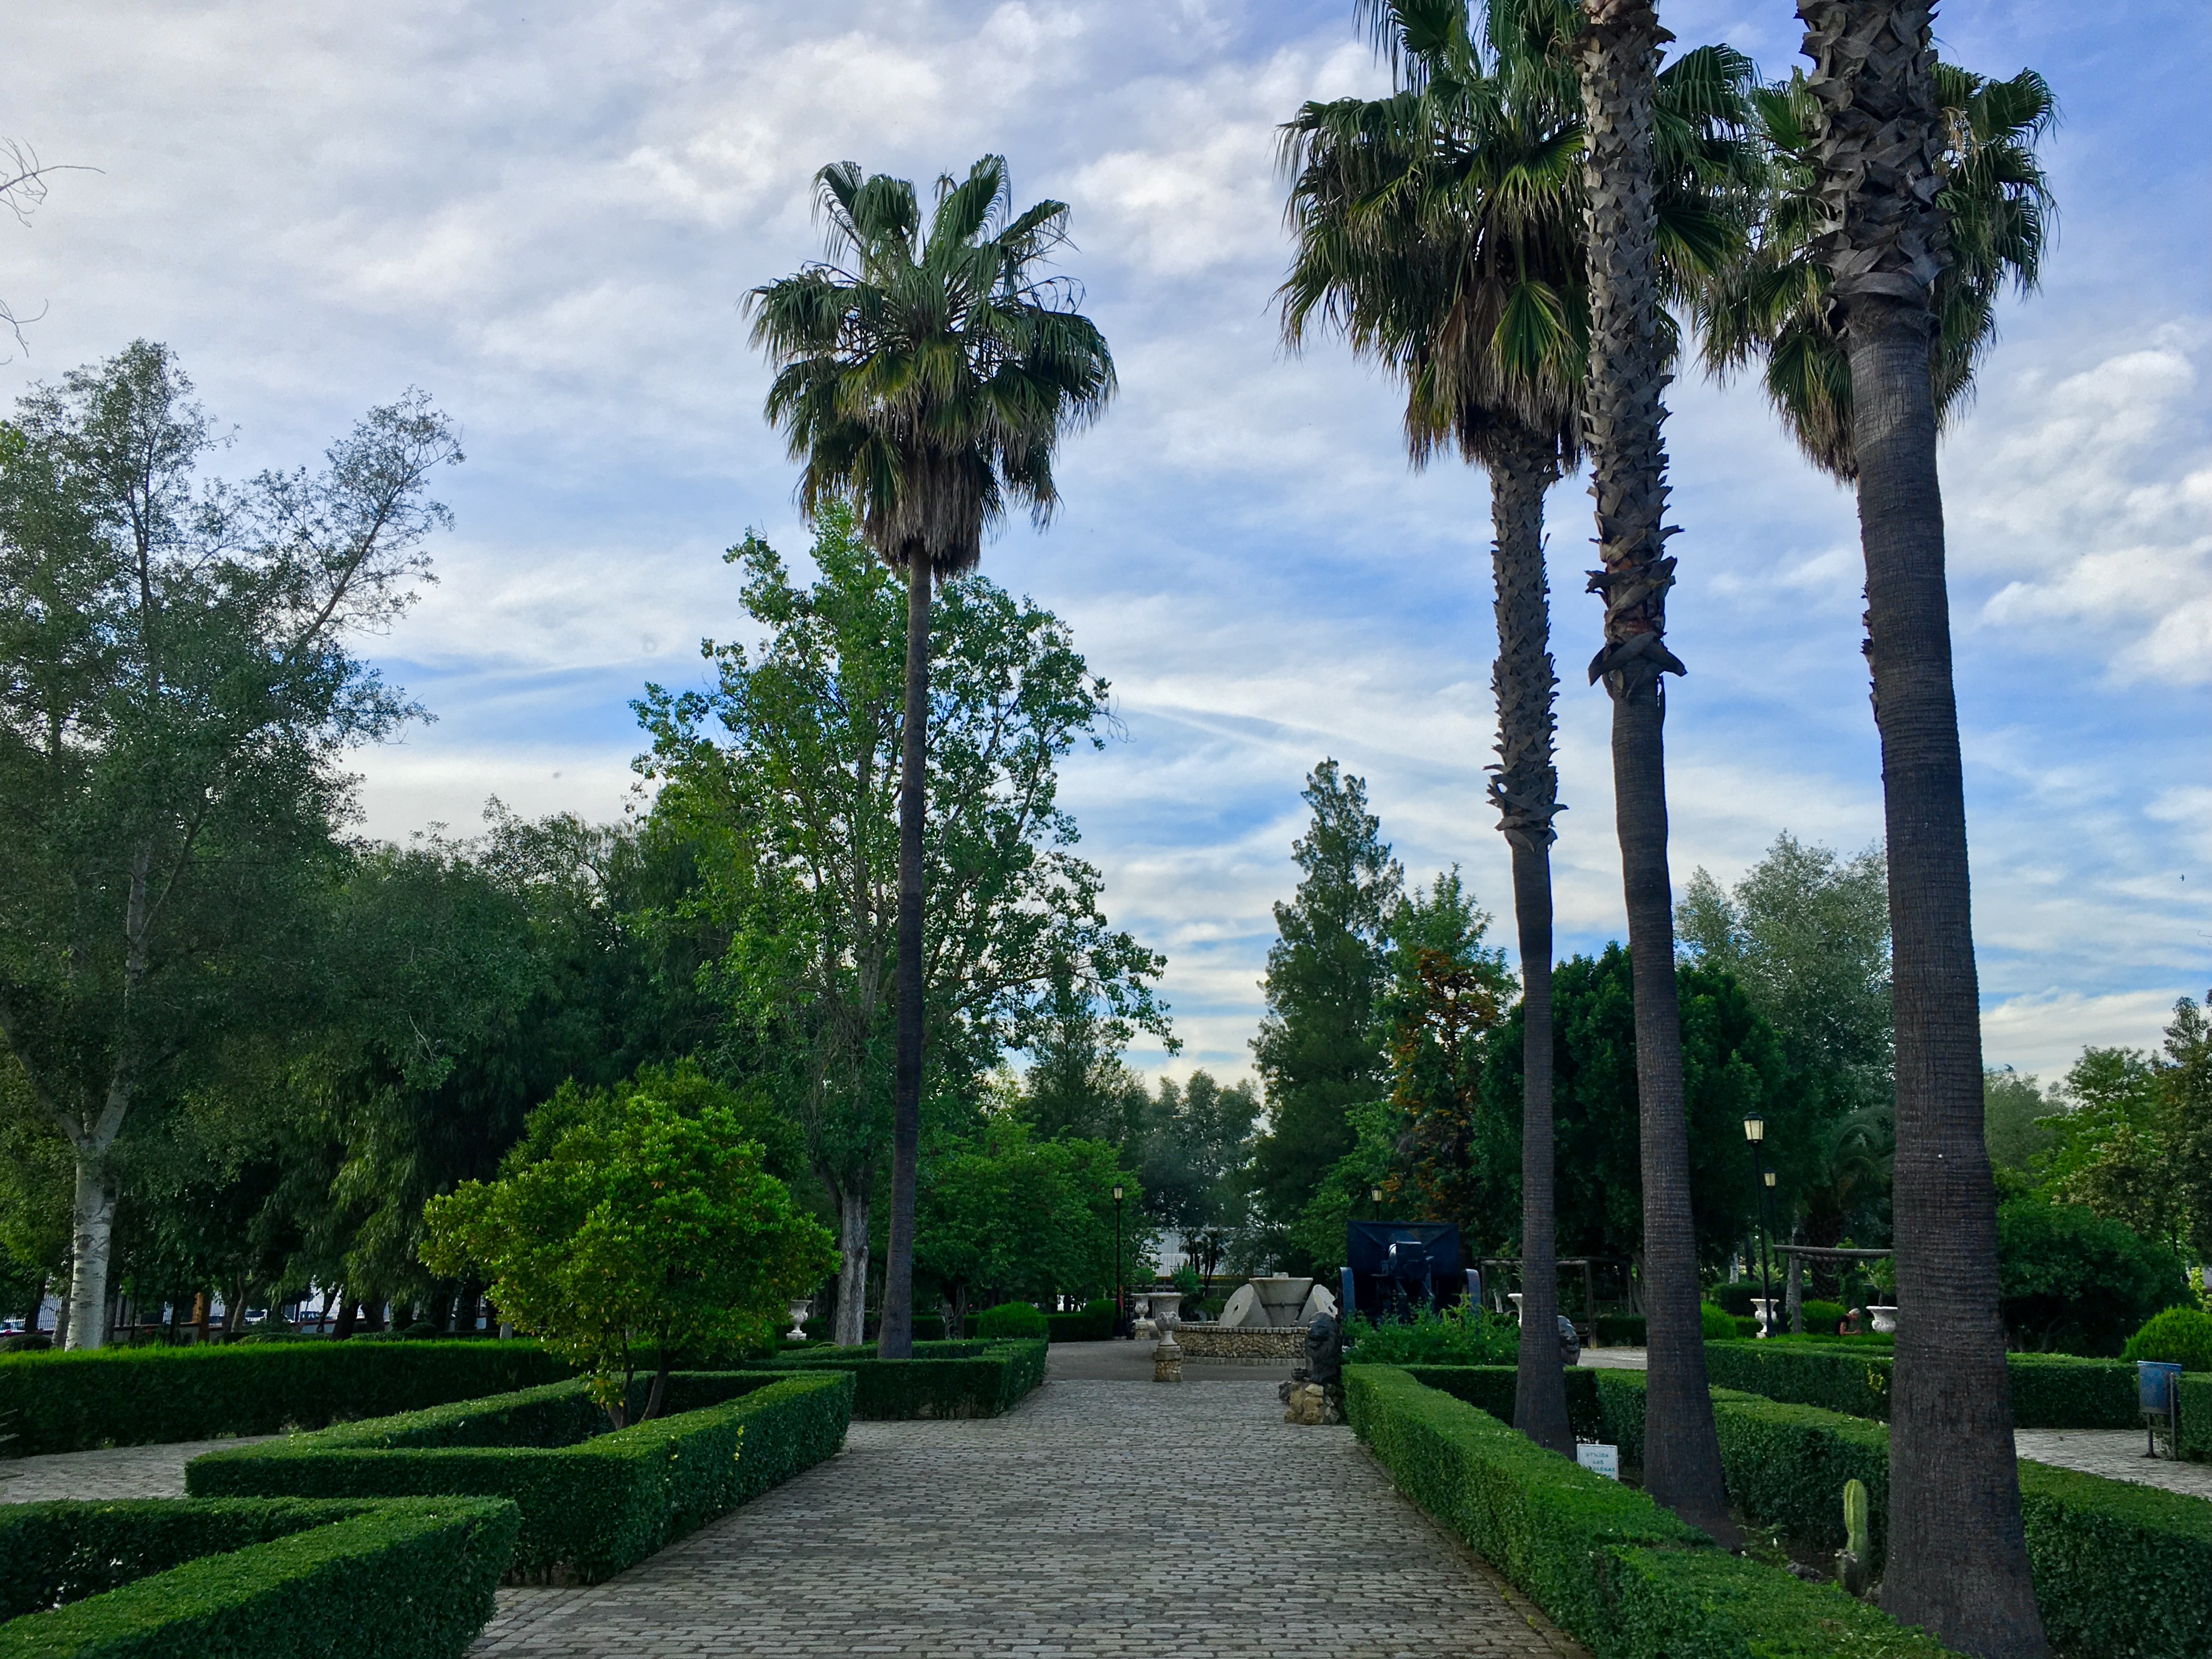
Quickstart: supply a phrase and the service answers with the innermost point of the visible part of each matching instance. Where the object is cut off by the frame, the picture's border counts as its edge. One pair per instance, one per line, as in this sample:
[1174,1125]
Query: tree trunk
[1526,793]
[1793,1294]
[896,1340]
[349,1316]
[1618,61]
[850,1330]
[1958,1554]
[91,1227]
[658,1394]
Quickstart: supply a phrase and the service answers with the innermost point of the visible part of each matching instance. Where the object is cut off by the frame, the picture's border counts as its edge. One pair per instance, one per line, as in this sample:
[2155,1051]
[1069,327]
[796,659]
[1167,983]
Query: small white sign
[1600,1460]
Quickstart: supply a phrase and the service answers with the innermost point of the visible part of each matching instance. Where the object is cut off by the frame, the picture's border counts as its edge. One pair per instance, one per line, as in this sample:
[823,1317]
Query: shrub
[1621,1331]
[1018,1320]
[2180,1336]
[1459,1336]
[2195,1399]
[942,1379]
[1822,1318]
[1720,1325]
[591,1503]
[269,1579]
[1735,1299]
[1492,1389]
[2049,1391]
[61,1402]
[2074,1282]
[1606,1562]
[1094,1324]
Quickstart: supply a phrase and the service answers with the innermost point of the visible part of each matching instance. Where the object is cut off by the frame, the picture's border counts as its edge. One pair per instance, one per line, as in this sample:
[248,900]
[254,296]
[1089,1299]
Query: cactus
[1852,1562]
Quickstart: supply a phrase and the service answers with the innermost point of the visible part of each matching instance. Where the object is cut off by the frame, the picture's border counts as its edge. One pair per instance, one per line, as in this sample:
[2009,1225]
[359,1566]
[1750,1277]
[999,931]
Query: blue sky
[545,214]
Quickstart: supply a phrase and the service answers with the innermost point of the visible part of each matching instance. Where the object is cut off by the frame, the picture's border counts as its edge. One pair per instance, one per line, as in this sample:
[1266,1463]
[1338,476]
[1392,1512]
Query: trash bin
[2154,1381]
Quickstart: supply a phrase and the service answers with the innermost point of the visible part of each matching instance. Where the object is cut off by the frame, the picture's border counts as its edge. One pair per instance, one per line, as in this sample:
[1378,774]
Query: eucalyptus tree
[929,384]
[177,689]
[1907,196]
[1444,230]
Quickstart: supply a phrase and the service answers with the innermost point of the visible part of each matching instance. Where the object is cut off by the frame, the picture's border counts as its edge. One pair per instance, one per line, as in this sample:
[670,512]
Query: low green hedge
[258,1579]
[1621,1331]
[1012,1322]
[2049,1391]
[1618,1572]
[942,1379]
[2194,1399]
[2121,1570]
[1492,1388]
[1095,1323]
[590,1505]
[62,1403]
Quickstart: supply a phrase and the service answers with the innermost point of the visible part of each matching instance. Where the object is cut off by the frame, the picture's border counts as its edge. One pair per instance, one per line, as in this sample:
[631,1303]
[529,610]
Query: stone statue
[1324,1350]
[1570,1342]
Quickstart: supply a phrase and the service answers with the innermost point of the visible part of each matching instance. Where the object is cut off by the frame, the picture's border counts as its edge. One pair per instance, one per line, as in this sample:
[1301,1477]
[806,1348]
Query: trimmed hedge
[1492,1388]
[1618,1572]
[2121,1570]
[942,1379]
[2179,1336]
[1012,1322]
[62,1403]
[1095,1323]
[591,1506]
[2194,1398]
[275,1580]
[1621,1331]
[2049,1391]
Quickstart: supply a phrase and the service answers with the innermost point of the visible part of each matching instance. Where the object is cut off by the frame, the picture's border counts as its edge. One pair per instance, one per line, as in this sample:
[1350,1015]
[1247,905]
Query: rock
[1318,1302]
[1244,1309]
[1312,1404]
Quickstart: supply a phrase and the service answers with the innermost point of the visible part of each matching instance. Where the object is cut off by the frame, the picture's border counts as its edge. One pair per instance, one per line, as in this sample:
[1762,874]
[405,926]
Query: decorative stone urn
[1141,1303]
[1885,1320]
[1514,1297]
[1768,1310]
[799,1311]
[1167,1358]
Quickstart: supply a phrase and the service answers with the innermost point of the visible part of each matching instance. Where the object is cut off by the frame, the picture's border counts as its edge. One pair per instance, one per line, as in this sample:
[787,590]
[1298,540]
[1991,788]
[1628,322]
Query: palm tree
[928,385]
[1632,156]
[1891,182]
[1442,230]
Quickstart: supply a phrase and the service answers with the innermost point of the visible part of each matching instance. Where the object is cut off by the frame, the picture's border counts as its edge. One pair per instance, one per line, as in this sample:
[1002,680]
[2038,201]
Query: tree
[2012,1113]
[1320,1048]
[927,386]
[788,811]
[1628,154]
[625,1221]
[2075,1281]
[1878,143]
[1197,1156]
[178,690]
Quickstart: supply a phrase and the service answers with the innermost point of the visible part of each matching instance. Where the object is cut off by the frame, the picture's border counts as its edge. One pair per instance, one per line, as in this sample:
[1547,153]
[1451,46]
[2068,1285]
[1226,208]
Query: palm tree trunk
[896,1340]
[1958,1554]
[1618,61]
[1526,793]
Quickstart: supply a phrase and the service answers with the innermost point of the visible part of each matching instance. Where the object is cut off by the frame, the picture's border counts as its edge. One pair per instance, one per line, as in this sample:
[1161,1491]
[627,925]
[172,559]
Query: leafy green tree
[2074,1281]
[780,780]
[1320,1047]
[1890,177]
[177,688]
[2014,1108]
[624,1221]
[927,386]
[1076,1082]
[1197,1156]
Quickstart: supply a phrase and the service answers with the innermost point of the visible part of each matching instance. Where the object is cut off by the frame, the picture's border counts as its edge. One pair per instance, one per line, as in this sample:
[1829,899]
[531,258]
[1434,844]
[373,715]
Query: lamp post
[1755,1131]
[1120,1300]
[1374,1198]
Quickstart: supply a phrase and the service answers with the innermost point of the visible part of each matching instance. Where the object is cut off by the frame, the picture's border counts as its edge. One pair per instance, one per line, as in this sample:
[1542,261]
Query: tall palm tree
[1891,182]
[1632,154]
[928,384]
[1442,230]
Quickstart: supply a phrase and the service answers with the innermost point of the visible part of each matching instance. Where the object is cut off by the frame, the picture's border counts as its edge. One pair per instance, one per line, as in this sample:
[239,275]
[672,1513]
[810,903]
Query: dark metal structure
[1395,1268]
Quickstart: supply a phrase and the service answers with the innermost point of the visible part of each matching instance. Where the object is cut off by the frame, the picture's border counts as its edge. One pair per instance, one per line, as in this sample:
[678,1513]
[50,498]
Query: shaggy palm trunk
[1526,793]
[1957,1556]
[1618,61]
[896,1340]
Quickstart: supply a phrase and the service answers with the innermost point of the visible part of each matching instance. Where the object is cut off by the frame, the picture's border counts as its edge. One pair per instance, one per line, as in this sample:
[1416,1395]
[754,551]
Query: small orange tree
[633,1223]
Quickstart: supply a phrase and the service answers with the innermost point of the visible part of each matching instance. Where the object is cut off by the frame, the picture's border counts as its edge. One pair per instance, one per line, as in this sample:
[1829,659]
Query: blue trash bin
[2155,1381]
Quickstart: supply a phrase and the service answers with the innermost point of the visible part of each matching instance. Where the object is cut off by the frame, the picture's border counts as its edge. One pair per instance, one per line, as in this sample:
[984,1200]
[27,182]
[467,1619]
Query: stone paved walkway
[1100,1518]
[2114,1453]
[118,1472]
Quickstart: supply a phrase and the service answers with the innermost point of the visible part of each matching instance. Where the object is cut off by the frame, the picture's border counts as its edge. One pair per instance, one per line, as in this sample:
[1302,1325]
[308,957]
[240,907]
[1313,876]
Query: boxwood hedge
[1611,1566]
[942,1379]
[2049,1391]
[592,1503]
[61,1402]
[258,1579]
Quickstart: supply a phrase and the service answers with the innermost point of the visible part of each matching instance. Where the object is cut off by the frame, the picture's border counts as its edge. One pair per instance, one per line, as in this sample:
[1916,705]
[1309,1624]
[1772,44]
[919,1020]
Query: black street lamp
[1755,1131]
[1375,1198]
[1120,1300]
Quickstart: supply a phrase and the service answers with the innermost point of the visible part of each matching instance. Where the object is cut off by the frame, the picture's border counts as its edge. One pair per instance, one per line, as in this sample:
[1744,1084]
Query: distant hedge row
[63,1402]
[590,1506]
[2049,1391]
[942,1379]
[251,1579]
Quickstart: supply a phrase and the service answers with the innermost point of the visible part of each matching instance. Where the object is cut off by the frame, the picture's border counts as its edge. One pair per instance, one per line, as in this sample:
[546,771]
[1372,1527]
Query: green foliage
[1617,1330]
[2076,1282]
[625,1219]
[1015,1321]
[2012,1113]
[1095,1323]
[2180,1336]
[1320,1048]
[2049,1391]
[1607,1563]
[1718,1324]
[66,1402]
[1196,1155]
[257,1579]
[1822,1317]
[1733,1064]
[1457,1336]
[591,1505]
[1492,1388]
[2194,1400]
[944,1379]
[1006,1213]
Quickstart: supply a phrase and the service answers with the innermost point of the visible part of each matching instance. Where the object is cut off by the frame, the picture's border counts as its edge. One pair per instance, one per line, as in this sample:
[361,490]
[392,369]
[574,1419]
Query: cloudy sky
[544,213]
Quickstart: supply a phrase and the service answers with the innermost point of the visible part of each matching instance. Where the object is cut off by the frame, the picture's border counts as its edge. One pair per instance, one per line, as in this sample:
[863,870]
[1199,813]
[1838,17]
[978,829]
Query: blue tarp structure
[1394,1267]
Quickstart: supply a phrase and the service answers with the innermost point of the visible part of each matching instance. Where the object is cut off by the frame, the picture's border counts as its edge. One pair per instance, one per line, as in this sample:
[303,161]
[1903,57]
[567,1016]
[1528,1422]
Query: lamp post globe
[1755,1131]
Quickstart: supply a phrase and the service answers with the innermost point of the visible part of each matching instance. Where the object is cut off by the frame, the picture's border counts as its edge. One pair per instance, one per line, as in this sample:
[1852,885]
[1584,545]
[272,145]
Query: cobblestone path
[1100,1518]
[2116,1454]
[117,1472]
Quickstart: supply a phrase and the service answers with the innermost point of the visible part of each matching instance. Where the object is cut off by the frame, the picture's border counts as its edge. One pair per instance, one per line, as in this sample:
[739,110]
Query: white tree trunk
[93,1226]
[853,1270]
